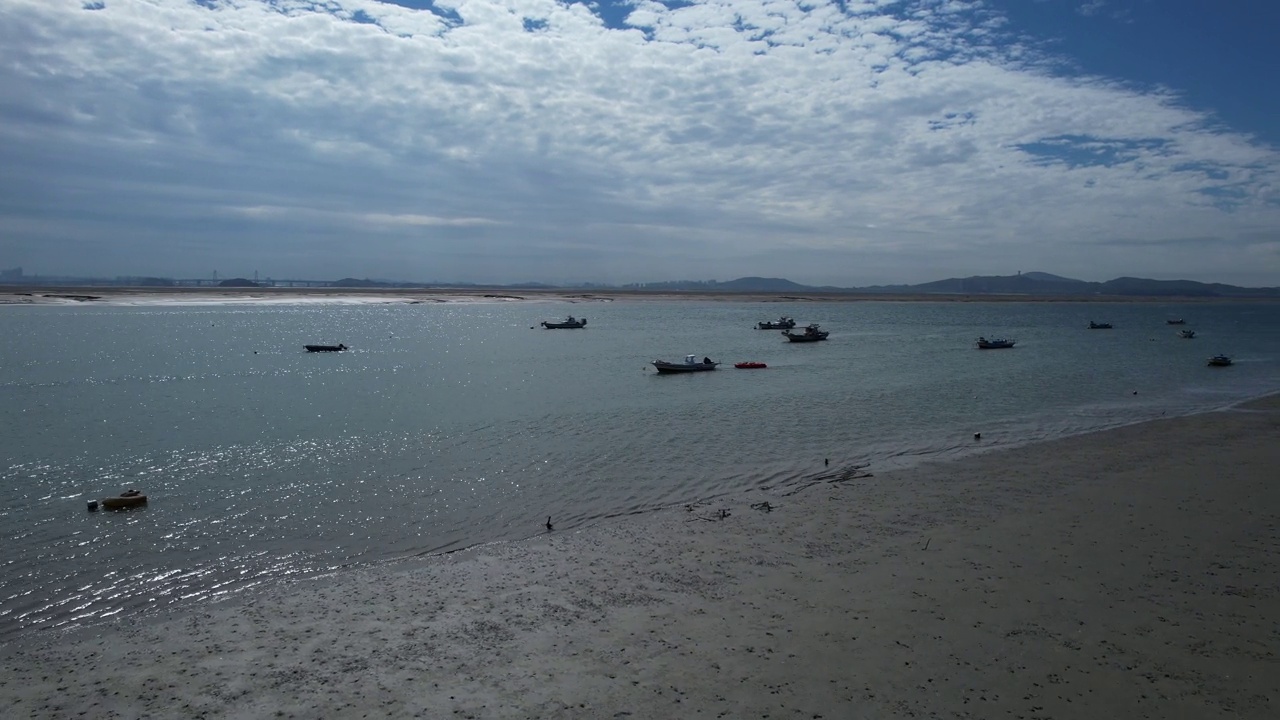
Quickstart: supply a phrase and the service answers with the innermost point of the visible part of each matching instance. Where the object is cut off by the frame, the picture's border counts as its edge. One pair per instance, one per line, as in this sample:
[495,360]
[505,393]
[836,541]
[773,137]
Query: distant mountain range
[1031,283]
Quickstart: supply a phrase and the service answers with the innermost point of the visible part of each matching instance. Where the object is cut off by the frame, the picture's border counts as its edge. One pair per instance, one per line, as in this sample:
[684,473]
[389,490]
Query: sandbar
[1127,573]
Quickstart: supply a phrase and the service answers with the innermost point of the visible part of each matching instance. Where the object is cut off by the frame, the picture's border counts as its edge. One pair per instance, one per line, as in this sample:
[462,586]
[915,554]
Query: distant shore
[1126,573]
[17,295]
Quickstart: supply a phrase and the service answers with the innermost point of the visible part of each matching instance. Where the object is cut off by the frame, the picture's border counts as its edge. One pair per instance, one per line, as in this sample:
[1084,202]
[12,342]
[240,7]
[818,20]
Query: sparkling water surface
[447,425]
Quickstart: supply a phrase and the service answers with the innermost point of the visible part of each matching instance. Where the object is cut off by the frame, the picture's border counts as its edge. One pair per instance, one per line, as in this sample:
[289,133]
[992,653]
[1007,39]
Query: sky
[847,143]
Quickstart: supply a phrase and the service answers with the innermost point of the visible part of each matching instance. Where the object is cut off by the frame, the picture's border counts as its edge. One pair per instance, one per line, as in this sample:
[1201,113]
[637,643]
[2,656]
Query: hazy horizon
[529,283]
[832,143]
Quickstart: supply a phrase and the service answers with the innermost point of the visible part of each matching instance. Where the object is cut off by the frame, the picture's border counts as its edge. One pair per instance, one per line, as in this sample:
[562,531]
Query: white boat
[691,364]
[994,343]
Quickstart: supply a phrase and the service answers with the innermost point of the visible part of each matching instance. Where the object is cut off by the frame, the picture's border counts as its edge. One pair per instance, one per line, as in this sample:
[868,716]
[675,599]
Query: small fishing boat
[691,364]
[750,365]
[1099,326]
[569,323]
[1176,321]
[812,333]
[782,323]
[326,348]
[1188,334]
[994,343]
[1219,361]
[125,500]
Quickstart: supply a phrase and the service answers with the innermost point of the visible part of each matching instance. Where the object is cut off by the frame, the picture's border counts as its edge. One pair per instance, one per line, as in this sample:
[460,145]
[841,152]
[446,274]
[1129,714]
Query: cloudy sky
[846,143]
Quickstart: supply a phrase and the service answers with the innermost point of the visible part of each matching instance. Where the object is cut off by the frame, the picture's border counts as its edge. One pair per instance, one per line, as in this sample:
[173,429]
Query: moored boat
[326,348]
[690,364]
[1099,326]
[1219,361]
[1176,321]
[569,323]
[750,365]
[782,323]
[812,333]
[125,500]
[994,343]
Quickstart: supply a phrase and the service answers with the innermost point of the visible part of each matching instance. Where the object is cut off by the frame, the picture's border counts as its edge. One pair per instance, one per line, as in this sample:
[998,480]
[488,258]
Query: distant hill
[1030,284]
[1035,284]
[1045,284]
[1047,277]
[746,284]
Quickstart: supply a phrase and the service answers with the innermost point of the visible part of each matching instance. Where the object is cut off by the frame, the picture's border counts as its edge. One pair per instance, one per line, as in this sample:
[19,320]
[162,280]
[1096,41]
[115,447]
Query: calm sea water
[449,425]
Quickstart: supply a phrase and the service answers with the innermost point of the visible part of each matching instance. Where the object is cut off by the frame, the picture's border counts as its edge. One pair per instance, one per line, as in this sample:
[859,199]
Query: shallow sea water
[452,424]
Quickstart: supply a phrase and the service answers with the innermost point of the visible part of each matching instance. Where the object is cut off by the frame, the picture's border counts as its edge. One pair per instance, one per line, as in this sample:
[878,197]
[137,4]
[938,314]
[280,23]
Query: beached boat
[569,323]
[750,365]
[1188,334]
[811,334]
[1176,321]
[994,343]
[326,348]
[782,323]
[1219,361]
[125,500]
[1099,326]
[691,364]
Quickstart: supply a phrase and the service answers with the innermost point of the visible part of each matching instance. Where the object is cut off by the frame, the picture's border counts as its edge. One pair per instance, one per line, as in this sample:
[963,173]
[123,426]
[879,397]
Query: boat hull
[750,365]
[325,348]
[667,368]
[124,502]
[994,344]
[565,324]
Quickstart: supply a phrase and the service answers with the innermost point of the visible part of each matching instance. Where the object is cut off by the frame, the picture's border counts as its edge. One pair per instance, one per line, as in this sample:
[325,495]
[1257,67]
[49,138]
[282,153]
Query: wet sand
[1129,573]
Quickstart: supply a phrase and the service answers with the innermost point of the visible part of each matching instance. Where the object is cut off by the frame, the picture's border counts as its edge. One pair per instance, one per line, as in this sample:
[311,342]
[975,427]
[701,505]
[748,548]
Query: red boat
[749,365]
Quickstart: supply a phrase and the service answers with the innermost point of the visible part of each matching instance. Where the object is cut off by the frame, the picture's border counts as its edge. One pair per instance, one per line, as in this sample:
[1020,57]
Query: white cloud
[693,145]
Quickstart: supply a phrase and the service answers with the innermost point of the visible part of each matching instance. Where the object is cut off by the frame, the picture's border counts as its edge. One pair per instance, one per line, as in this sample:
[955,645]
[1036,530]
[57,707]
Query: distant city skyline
[841,144]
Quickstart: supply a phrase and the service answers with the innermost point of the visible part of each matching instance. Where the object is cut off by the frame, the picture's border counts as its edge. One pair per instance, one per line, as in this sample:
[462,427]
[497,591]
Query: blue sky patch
[1076,151]
[449,15]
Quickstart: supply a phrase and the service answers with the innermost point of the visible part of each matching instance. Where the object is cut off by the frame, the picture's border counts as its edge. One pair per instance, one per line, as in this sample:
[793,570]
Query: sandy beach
[1129,573]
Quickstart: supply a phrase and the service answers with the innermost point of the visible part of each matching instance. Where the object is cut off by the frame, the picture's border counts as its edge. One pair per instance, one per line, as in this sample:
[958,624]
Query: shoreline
[1122,572]
[124,296]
